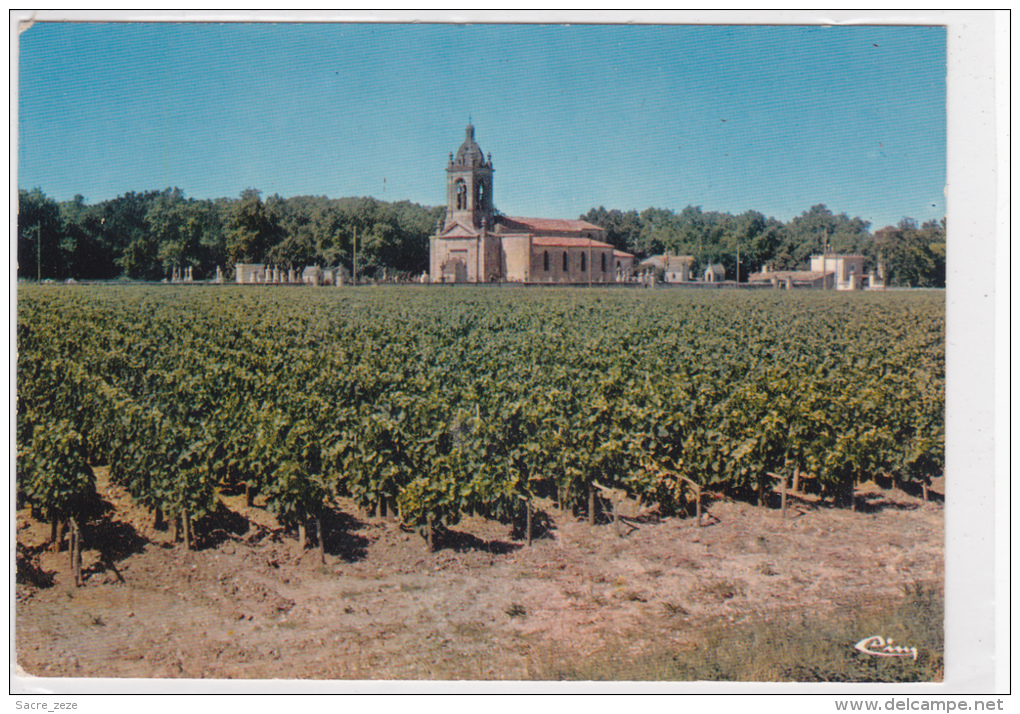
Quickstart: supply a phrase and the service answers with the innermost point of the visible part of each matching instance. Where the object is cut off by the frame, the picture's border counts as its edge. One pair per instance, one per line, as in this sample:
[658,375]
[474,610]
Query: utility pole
[738,264]
[38,251]
[354,260]
[825,260]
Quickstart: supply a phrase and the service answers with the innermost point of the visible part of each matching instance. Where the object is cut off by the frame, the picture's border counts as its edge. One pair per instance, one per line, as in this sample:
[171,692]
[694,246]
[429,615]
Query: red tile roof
[568,242]
[549,224]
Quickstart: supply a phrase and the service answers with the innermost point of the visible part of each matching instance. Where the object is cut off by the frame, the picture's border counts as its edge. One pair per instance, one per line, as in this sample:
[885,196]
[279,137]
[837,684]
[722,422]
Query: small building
[311,275]
[674,268]
[843,272]
[249,272]
[715,273]
[624,265]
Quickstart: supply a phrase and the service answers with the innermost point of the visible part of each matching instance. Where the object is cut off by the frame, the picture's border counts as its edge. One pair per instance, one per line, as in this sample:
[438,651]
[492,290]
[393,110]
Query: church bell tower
[469,185]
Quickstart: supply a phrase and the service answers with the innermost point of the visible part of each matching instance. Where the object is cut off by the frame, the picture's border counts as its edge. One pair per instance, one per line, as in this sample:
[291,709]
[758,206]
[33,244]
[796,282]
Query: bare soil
[248,604]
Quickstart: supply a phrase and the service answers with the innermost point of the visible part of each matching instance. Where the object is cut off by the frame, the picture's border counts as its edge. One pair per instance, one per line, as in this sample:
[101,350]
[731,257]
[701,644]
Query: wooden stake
[924,490]
[249,494]
[302,536]
[70,544]
[428,534]
[55,535]
[527,507]
[616,516]
[796,480]
[591,504]
[175,531]
[783,496]
[157,518]
[322,540]
[186,527]
[76,554]
[697,495]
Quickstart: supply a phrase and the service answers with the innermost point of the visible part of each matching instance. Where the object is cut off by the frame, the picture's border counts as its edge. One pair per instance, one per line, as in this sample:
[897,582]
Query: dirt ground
[250,605]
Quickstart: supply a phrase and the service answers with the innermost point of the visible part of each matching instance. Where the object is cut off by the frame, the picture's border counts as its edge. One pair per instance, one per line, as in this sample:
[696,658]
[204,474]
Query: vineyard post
[591,504]
[57,529]
[616,515]
[186,527]
[528,520]
[783,502]
[796,479]
[697,495]
[428,534]
[70,544]
[157,518]
[76,553]
[322,540]
[924,489]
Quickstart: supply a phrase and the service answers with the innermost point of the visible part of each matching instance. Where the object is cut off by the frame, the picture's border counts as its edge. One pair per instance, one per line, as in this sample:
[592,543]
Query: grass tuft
[805,647]
[516,610]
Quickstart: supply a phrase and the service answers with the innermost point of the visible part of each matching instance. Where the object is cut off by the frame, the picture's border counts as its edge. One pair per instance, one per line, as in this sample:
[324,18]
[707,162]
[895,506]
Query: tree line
[145,236]
[912,255]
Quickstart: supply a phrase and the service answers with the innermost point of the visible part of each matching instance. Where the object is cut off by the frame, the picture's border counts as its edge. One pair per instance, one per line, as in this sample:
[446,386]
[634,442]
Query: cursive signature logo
[882,647]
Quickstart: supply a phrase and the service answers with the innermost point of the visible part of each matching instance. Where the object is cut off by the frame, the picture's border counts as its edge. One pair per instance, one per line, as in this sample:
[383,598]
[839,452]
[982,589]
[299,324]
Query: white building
[842,272]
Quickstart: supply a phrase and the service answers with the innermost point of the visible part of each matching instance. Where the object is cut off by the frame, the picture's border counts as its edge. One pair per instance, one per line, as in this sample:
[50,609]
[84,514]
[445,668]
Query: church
[478,244]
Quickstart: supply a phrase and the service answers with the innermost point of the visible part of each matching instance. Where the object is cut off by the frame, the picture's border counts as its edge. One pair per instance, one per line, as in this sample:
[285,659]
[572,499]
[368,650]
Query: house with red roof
[477,244]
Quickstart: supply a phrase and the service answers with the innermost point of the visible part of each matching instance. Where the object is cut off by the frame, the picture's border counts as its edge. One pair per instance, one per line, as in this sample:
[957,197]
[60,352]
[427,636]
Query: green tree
[913,256]
[252,229]
[806,235]
[38,223]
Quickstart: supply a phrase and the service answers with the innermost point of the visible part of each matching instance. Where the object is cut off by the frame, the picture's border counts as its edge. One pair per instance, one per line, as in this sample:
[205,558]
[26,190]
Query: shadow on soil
[220,525]
[461,542]
[341,538]
[29,573]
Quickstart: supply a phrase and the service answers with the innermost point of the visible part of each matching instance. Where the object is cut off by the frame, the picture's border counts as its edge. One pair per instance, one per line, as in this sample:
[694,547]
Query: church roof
[457,229]
[548,224]
[568,242]
[469,153]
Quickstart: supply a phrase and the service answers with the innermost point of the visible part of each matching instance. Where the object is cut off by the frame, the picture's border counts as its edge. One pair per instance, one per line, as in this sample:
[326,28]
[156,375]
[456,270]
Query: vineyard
[432,403]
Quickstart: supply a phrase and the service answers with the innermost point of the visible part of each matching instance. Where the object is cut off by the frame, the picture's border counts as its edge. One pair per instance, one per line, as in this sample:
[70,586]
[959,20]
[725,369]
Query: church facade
[477,244]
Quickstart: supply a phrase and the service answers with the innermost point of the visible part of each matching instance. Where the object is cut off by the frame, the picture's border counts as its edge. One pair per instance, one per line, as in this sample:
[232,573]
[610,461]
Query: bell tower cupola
[469,185]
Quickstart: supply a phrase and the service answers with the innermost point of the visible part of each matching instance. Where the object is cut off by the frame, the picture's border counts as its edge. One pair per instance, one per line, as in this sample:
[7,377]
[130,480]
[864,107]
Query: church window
[603,262]
[461,195]
[565,268]
[545,261]
[480,196]
[584,263]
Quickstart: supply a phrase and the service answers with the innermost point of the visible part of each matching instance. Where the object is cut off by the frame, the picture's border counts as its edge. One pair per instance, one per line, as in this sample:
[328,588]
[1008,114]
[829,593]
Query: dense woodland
[144,236]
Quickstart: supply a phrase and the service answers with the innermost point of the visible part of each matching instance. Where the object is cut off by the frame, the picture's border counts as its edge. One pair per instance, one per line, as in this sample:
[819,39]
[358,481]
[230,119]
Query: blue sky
[729,118]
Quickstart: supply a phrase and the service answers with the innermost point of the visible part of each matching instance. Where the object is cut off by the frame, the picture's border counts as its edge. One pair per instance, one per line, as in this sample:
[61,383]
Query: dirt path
[482,607]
